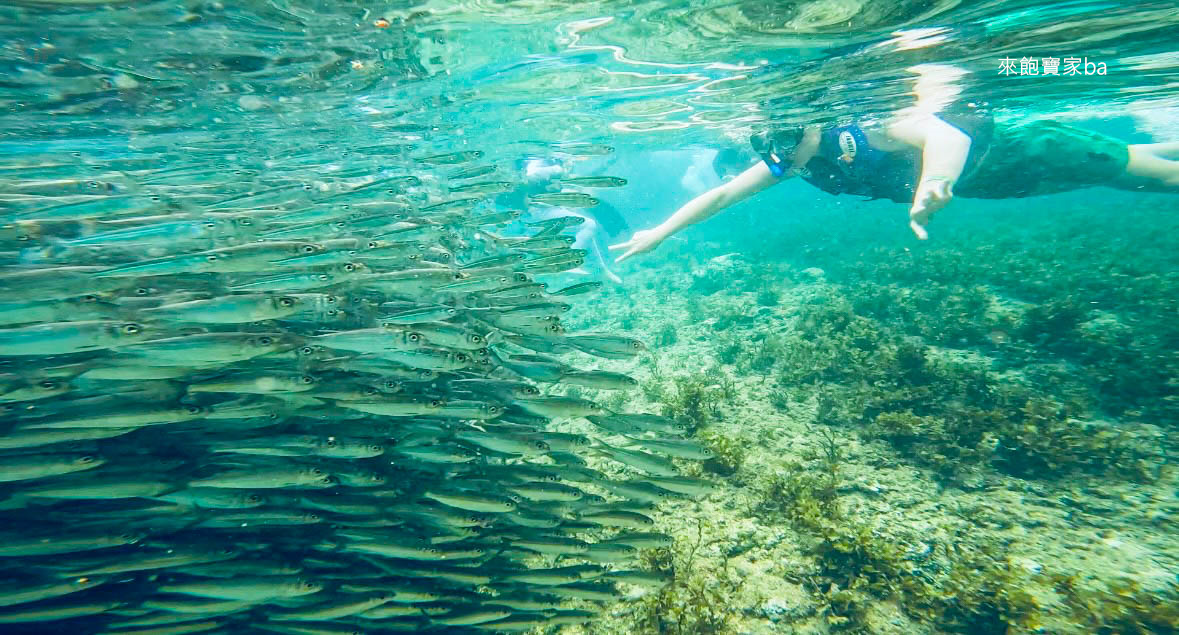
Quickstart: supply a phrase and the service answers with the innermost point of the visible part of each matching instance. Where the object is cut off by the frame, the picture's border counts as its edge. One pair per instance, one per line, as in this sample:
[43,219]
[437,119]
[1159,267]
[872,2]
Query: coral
[768,296]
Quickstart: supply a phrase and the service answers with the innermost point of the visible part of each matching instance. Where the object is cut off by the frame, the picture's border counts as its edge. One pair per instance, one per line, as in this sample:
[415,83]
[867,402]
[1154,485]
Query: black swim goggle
[776,149]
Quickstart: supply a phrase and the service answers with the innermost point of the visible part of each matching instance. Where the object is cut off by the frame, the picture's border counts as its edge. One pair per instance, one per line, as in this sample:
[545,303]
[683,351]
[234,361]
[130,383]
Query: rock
[719,273]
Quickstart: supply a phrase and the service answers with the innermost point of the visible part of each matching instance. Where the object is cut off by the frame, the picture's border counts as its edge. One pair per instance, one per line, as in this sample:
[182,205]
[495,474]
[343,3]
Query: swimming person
[926,155]
[601,220]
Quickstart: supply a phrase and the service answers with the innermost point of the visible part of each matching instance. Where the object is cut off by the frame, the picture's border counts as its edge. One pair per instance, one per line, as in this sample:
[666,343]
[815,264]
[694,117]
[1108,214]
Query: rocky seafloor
[967,437]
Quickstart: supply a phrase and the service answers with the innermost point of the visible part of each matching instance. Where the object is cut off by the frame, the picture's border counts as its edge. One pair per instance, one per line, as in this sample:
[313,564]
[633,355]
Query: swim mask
[776,148]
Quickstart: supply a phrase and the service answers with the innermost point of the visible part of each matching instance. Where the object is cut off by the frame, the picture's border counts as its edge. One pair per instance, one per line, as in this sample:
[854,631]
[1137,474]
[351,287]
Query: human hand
[932,194]
[641,242]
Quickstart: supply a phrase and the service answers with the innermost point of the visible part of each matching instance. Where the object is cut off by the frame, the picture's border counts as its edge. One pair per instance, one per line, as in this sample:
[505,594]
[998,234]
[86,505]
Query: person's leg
[1169,150]
[1148,169]
[1149,160]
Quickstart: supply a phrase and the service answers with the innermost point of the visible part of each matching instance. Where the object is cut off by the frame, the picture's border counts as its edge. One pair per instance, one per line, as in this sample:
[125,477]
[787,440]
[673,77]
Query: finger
[919,230]
[633,251]
[623,245]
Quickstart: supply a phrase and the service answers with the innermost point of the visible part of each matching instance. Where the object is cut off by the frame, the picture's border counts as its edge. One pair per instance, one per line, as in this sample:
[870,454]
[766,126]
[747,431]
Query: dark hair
[730,160]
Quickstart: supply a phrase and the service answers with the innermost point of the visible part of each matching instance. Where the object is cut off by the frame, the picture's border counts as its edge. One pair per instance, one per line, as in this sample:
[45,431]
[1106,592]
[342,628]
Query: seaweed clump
[695,400]
[855,565]
[699,599]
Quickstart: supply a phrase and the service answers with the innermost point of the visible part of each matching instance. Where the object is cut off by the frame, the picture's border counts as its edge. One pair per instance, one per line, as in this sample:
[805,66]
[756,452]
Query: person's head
[786,149]
[730,162]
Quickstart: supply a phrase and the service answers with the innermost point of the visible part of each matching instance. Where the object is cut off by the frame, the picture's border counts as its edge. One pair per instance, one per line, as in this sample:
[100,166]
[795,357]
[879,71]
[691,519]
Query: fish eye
[49,384]
[94,185]
[131,329]
[391,384]
[372,244]
[414,257]
[86,459]
[458,275]
[90,298]
[435,403]
[313,517]
[375,448]
[349,267]
[209,224]
[306,187]
[323,277]
[286,302]
[307,379]
[331,443]
[211,258]
[306,350]
[540,445]
[462,357]
[413,337]
[308,249]
[475,339]
[265,341]
[193,410]
[155,198]
[636,345]
[307,585]
[315,471]
[253,498]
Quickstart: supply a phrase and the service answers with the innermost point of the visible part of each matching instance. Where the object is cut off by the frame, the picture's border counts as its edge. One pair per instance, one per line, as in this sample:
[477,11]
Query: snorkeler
[926,155]
[541,175]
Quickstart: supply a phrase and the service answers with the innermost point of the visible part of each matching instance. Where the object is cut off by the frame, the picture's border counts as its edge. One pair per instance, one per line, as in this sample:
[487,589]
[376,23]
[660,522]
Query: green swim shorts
[1043,157]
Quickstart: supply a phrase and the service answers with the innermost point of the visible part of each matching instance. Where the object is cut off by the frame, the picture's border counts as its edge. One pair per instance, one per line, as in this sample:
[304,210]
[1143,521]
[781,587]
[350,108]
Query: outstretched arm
[703,207]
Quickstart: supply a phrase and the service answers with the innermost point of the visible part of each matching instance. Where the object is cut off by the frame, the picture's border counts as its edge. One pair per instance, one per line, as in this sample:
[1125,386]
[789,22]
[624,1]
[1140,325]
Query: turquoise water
[308,324]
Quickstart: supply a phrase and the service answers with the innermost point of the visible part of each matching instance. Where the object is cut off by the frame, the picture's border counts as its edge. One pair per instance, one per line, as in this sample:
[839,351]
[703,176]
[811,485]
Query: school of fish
[259,376]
